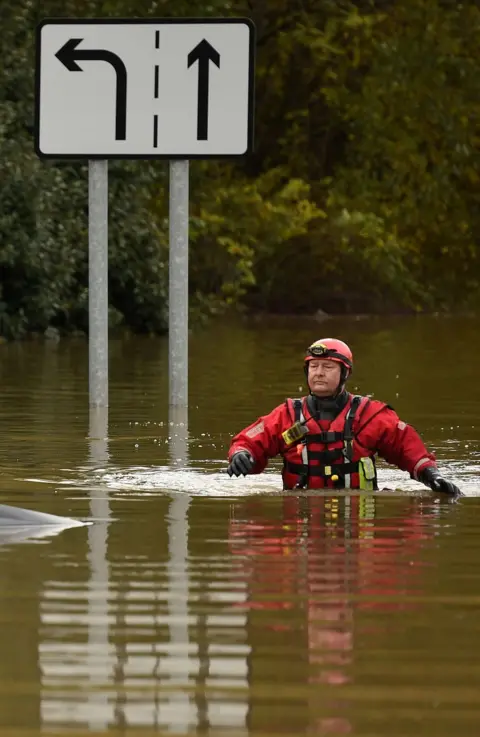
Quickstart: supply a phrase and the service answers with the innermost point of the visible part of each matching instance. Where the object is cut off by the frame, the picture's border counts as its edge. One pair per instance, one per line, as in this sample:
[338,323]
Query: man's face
[323,376]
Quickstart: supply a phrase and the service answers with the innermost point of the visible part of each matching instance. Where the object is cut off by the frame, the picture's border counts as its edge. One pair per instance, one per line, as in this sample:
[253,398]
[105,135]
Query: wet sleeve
[398,443]
[262,438]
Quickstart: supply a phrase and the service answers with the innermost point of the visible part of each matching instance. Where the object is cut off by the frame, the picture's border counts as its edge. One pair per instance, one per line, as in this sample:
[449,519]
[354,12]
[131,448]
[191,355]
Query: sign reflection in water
[76,656]
[129,639]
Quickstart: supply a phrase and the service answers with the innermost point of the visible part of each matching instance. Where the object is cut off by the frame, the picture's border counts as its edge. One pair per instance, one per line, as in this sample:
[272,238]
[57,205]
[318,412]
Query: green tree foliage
[43,213]
[375,105]
[362,192]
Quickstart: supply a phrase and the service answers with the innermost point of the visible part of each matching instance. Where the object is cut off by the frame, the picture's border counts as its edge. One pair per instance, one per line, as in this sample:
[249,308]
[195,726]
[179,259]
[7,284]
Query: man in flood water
[329,439]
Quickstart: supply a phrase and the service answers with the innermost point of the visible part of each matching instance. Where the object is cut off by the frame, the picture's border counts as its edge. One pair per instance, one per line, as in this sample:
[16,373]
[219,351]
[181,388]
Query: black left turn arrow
[68,55]
[204,53]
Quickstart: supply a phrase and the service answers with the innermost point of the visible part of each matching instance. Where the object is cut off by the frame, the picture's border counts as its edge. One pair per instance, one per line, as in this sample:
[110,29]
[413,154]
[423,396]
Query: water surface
[200,604]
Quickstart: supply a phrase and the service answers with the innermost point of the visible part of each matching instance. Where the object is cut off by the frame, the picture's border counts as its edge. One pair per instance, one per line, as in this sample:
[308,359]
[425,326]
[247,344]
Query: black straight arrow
[204,53]
[68,55]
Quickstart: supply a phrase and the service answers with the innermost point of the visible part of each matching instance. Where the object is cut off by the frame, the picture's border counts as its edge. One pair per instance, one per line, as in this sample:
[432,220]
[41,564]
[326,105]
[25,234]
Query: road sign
[144,88]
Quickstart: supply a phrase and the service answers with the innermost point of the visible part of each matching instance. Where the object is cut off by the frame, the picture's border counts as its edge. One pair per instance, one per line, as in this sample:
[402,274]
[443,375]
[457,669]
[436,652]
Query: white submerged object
[18,525]
[19,517]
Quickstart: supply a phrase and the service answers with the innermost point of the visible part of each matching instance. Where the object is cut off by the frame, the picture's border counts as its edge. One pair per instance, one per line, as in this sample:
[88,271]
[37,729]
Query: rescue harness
[335,466]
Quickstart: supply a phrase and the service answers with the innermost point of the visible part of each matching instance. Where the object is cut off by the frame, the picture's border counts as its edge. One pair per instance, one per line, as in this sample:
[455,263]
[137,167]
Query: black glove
[242,462]
[432,478]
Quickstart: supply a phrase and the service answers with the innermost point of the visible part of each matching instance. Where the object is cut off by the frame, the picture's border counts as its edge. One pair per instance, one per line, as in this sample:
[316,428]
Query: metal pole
[178,285]
[98,282]
[178,435]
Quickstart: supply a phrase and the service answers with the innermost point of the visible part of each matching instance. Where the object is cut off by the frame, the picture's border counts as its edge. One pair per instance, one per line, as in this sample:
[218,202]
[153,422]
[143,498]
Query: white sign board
[144,88]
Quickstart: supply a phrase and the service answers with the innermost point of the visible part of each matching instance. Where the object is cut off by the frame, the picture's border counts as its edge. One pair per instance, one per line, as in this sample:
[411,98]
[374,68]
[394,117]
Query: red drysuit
[334,454]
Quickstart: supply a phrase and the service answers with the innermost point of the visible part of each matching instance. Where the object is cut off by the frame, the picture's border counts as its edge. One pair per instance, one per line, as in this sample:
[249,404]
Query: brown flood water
[200,604]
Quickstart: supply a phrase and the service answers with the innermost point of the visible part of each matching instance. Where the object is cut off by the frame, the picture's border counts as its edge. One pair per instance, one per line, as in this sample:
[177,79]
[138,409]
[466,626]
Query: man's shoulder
[284,407]
[371,405]
[291,405]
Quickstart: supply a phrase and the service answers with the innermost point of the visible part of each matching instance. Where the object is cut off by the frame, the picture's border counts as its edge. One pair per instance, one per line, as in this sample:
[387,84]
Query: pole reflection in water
[99,651]
[207,649]
[147,629]
[313,576]
[77,668]
[180,710]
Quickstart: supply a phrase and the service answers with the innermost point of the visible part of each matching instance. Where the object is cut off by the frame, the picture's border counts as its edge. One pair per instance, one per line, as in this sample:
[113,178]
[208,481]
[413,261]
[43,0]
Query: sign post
[143,88]
[178,285]
[98,282]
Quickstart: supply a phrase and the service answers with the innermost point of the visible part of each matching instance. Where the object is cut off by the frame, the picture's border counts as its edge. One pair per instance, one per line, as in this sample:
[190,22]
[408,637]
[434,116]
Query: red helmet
[335,350]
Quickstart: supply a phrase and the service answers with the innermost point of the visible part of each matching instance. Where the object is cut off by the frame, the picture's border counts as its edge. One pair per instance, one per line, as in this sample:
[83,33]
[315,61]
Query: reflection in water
[99,656]
[138,643]
[64,660]
[311,575]
[178,664]
[29,533]
[155,647]
[180,705]
[247,613]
